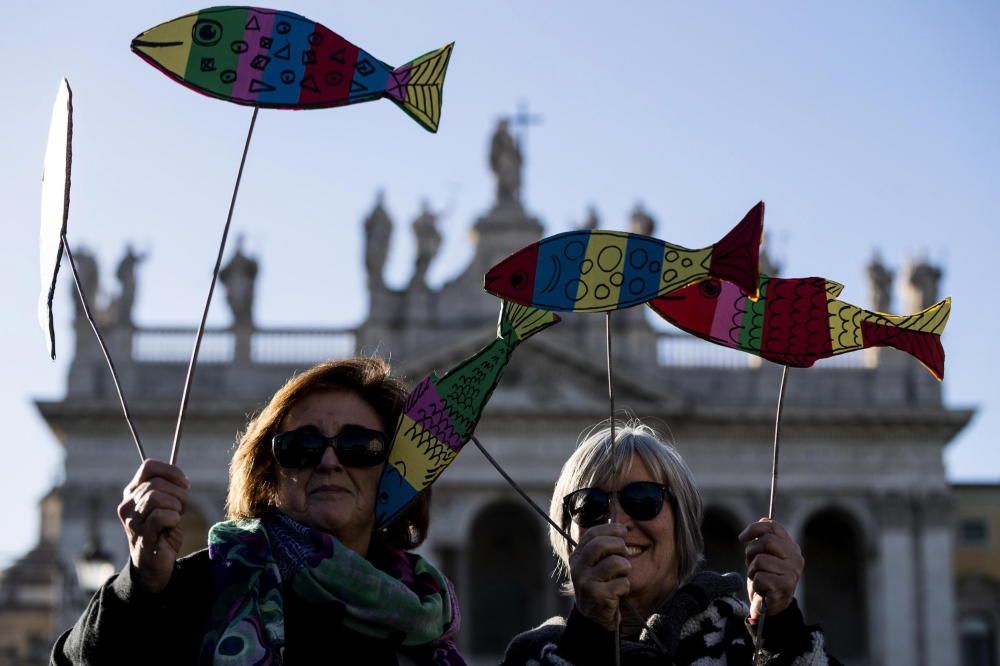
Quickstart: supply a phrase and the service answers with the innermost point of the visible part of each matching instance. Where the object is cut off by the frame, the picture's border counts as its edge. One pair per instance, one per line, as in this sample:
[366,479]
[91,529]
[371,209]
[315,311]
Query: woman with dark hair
[298,574]
[634,514]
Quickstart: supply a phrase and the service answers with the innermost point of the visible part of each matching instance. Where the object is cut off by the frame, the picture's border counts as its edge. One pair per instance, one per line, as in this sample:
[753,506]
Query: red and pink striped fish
[798,321]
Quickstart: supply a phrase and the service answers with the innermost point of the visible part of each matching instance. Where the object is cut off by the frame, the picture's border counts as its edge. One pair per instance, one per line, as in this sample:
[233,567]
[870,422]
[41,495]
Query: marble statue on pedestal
[880,280]
[506,162]
[923,282]
[428,243]
[86,268]
[641,222]
[378,231]
[120,311]
[239,278]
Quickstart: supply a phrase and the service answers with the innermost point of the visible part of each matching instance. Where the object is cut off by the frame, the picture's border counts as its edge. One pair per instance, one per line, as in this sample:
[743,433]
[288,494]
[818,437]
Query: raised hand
[599,569]
[150,511]
[774,566]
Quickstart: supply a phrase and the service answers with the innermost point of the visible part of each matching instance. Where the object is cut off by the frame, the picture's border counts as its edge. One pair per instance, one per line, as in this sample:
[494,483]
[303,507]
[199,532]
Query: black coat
[703,622]
[124,625]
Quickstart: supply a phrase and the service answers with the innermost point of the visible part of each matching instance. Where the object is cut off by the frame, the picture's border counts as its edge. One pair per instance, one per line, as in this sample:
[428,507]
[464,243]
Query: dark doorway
[723,550]
[507,574]
[978,637]
[833,585]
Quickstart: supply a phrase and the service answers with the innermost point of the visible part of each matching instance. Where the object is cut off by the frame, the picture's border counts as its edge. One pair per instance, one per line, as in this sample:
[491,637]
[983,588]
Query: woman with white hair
[635,560]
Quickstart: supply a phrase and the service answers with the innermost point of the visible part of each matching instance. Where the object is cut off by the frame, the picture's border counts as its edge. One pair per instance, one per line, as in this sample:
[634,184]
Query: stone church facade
[862,482]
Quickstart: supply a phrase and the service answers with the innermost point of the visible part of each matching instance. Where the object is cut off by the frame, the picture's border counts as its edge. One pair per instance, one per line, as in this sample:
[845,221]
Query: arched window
[833,585]
[723,550]
[979,640]
[508,569]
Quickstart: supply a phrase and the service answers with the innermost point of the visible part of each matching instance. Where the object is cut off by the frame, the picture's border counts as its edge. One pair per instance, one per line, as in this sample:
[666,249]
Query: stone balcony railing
[278,346]
[686,351]
[267,346]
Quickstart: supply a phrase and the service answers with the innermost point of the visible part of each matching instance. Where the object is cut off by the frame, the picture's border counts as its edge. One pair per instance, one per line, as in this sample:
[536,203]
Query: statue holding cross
[506,161]
[506,156]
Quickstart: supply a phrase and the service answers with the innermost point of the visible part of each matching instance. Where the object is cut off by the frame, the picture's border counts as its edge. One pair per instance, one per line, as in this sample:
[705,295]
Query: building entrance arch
[833,584]
[723,551]
[507,569]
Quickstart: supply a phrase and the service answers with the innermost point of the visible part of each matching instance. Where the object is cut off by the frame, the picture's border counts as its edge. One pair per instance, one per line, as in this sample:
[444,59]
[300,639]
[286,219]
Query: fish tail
[523,321]
[736,257]
[416,86]
[918,335]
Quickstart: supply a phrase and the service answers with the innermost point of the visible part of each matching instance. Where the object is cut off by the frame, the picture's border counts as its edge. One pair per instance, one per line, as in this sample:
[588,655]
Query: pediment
[548,375]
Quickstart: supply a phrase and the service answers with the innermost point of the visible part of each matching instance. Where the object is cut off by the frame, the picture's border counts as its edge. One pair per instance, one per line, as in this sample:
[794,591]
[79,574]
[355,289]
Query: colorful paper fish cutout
[55,206]
[598,271]
[277,59]
[797,321]
[441,413]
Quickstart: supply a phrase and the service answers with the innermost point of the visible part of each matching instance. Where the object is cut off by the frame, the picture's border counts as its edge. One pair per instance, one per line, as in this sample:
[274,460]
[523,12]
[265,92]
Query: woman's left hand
[774,566]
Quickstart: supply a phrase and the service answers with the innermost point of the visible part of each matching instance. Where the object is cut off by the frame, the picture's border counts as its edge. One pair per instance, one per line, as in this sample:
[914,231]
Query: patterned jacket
[702,624]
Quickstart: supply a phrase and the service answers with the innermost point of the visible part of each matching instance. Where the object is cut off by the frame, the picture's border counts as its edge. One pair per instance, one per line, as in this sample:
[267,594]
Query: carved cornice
[83,414]
[935,423]
[895,511]
[937,510]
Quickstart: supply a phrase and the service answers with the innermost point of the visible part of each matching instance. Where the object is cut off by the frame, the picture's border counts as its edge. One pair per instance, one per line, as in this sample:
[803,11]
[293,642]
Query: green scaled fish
[442,412]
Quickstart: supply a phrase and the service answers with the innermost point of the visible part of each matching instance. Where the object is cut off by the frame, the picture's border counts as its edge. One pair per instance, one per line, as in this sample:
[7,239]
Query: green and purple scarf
[404,600]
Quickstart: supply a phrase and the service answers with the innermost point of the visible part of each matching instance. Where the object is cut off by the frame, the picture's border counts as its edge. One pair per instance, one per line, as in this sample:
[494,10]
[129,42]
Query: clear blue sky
[863,125]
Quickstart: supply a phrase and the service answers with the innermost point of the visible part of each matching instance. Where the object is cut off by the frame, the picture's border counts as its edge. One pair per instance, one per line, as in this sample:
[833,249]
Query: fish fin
[931,320]
[736,257]
[834,288]
[395,494]
[918,335]
[417,86]
[523,321]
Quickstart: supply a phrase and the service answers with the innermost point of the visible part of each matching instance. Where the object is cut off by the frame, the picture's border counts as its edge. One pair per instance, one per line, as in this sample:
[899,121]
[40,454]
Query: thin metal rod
[770,504]
[777,440]
[563,533]
[104,348]
[611,420]
[614,469]
[513,484]
[208,301]
[614,492]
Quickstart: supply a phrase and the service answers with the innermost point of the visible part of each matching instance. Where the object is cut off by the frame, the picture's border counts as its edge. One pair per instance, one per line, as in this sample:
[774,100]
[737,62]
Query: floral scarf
[405,600]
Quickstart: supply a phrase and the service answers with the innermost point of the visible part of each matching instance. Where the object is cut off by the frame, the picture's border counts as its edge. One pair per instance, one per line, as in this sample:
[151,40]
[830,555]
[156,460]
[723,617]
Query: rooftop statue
[506,162]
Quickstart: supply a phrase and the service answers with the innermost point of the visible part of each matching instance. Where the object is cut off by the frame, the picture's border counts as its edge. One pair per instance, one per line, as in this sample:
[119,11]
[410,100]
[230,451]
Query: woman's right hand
[599,569]
[150,511]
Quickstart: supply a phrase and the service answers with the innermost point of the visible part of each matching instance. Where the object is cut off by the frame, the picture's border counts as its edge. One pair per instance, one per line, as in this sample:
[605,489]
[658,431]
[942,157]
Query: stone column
[940,640]
[898,590]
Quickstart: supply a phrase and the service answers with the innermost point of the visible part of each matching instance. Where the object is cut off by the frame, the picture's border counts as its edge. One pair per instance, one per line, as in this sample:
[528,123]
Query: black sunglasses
[643,500]
[355,447]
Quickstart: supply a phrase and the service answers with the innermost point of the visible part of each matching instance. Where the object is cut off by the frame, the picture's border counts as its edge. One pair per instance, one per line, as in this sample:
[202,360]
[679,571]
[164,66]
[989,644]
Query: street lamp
[94,565]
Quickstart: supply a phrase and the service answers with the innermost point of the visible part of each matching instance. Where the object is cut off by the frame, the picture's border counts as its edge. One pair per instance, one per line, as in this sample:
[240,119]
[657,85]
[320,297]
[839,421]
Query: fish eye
[206,32]
[519,279]
[710,288]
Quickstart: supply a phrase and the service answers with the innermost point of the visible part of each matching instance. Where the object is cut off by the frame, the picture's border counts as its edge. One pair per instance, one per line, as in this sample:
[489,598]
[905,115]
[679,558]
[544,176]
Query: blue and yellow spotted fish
[599,271]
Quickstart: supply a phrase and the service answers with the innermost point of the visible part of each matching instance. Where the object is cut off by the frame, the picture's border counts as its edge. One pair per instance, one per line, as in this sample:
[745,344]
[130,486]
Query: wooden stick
[104,348]
[185,396]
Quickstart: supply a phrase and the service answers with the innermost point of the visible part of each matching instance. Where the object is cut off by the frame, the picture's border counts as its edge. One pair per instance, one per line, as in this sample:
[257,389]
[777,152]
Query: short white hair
[591,465]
